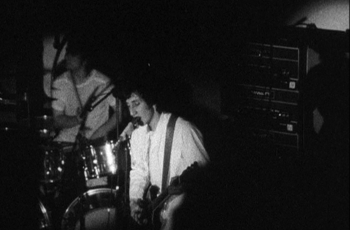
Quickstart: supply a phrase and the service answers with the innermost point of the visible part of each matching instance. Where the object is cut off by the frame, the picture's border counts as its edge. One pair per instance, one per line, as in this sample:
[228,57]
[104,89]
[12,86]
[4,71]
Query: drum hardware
[7,101]
[42,125]
[97,182]
[55,160]
[44,217]
[8,128]
[53,164]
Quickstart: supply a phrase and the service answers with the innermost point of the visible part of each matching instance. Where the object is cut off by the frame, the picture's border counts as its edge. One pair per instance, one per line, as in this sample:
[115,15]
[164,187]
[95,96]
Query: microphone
[131,126]
[136,122]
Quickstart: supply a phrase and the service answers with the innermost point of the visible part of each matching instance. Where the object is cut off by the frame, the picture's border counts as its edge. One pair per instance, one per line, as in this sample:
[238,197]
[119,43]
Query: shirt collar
[162,120]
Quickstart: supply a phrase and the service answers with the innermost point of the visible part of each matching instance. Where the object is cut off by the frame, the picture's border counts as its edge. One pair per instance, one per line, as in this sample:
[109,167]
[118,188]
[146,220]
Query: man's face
[139,108]
[73,62]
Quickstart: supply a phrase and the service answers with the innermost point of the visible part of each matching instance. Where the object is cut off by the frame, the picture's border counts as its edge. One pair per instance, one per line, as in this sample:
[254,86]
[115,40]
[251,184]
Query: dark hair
[79,45]
[147,85]
[156,87]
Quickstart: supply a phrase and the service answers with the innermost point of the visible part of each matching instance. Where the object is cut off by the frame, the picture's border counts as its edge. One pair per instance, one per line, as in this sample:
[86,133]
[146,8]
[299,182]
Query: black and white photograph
[174,115]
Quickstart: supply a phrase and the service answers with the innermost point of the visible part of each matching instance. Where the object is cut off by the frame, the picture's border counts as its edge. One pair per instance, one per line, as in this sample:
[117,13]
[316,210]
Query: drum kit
[94,206]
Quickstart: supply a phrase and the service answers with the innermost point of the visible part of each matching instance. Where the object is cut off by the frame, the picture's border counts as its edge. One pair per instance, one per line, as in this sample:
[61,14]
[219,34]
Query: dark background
[188,41]
[194,33]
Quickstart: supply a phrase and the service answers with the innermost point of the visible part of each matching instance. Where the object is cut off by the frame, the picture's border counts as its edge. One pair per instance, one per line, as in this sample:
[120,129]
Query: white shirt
[67,101]
[147,153]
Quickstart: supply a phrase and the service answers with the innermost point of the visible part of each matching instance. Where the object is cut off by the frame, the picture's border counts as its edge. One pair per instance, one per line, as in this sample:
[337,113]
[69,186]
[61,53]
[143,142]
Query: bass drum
[96,209]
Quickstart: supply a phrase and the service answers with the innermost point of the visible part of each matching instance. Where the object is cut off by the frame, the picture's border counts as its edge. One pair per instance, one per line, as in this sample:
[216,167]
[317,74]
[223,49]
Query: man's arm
[139,174]
[111,123]
[63,121]
[104,129]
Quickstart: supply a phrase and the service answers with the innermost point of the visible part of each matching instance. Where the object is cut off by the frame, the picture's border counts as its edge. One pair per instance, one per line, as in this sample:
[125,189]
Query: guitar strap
[167,149]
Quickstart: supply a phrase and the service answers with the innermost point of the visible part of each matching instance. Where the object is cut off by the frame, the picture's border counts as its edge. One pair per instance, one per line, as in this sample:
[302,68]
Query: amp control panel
[264,93]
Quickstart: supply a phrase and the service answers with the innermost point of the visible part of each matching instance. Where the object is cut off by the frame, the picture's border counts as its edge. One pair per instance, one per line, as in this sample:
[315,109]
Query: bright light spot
[49,54]
[329,15]
[108,150]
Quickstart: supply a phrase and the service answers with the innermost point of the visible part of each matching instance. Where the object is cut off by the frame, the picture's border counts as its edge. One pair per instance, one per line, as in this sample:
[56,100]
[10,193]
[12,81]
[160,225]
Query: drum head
[96,209]
[102,218]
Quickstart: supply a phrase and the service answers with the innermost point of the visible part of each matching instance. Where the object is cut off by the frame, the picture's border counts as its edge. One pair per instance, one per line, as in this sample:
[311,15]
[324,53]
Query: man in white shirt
[71,93]
[147,144]
[72,90]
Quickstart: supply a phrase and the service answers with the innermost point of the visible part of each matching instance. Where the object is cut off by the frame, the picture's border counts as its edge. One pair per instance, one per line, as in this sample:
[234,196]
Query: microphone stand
[125,208]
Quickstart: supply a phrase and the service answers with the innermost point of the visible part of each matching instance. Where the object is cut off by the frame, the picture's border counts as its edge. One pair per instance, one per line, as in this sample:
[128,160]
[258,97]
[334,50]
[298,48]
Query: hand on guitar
[139,211]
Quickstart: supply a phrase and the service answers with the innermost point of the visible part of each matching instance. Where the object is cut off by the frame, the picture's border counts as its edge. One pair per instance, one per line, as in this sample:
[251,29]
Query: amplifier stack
[264,95]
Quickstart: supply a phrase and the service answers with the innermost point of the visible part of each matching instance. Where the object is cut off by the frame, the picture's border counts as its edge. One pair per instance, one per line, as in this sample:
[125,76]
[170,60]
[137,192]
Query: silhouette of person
[326,109]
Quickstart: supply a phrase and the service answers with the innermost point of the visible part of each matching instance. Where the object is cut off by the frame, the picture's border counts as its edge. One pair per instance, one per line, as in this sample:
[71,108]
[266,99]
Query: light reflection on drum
[96,209]
[53,164]
[100,161]
[44,218]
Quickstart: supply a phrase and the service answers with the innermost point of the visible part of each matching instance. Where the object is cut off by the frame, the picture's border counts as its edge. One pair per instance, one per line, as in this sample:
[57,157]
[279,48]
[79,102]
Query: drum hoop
[93,147]
[109,142]
[88,193]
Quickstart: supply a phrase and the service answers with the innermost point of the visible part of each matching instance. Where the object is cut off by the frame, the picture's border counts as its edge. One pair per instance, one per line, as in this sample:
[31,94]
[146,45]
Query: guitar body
[152,196]
[167,213]
[163,206]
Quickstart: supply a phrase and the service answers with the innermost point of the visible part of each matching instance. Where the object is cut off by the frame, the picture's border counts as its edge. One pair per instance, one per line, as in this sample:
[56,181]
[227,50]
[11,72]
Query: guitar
[160,209]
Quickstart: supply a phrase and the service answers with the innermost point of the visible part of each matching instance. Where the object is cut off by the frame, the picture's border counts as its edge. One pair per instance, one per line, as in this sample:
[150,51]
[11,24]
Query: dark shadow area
[251,188]
[326,89]
[20,170]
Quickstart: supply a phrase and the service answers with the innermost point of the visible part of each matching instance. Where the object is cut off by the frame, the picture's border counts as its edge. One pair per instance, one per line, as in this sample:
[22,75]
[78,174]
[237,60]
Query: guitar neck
[157,202]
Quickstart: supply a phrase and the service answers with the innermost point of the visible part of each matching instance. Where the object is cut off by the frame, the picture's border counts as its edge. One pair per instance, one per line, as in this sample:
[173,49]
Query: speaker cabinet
[264,94]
